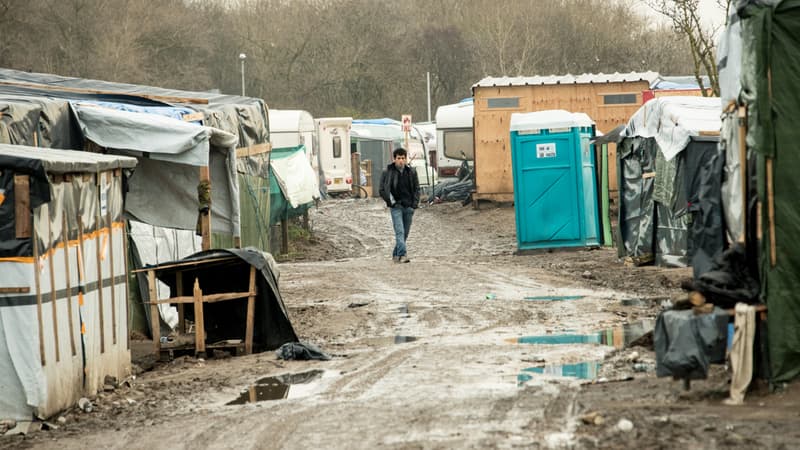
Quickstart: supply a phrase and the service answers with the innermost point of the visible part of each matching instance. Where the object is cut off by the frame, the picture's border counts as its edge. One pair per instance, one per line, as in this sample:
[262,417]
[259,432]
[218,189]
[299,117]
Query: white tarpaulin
[674,120]
[296,178]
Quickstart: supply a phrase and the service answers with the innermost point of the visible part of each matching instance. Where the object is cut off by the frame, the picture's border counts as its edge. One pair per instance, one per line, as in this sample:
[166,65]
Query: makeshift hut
[667,146]
[759,64]
[63,277]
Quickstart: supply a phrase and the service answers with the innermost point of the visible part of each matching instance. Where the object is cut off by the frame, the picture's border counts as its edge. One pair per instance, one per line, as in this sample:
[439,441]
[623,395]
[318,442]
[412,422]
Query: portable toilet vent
[555,189]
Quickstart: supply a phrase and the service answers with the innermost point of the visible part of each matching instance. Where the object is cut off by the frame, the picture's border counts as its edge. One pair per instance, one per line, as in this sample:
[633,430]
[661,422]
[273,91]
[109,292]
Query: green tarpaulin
[771,91]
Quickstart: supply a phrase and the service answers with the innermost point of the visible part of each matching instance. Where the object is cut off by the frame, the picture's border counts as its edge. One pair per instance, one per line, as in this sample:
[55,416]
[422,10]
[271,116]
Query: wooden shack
[609,99]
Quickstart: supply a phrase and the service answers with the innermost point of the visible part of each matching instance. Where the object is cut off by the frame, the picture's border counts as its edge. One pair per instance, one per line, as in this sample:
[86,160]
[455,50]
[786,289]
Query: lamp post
[242,57]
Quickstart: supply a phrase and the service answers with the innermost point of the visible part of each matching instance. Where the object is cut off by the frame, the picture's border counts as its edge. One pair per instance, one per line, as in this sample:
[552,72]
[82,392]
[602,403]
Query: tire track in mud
[354,384]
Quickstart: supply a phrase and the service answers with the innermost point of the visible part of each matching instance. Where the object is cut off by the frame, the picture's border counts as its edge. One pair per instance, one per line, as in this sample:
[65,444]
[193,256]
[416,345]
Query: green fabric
[254,198]
[771,42]
[664,190]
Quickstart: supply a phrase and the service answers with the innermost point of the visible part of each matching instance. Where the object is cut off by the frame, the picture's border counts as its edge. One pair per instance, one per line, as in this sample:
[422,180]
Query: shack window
[457,141]
[337,147]
[505,102]
[619,99]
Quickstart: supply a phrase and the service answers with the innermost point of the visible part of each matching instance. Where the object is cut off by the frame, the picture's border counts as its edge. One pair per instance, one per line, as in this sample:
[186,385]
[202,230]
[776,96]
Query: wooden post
[65,239]
[53,295]
[773,258]
[181,310]
[743,168]
[110,221]
[98,255]
[251,307]
[155,324]
[22,207]
[199,323]
[36,276]
[355,173]
[127,299]
[205,218]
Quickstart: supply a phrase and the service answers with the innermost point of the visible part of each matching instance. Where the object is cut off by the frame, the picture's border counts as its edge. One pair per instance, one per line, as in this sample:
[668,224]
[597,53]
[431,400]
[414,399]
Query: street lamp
[242,57]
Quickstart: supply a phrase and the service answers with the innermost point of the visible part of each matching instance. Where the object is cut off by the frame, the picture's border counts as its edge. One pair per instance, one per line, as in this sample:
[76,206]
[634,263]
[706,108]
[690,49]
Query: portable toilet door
[334,153]
[555,193]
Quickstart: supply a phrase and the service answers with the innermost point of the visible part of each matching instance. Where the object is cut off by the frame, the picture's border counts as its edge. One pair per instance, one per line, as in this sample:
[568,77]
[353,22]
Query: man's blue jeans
[401,221]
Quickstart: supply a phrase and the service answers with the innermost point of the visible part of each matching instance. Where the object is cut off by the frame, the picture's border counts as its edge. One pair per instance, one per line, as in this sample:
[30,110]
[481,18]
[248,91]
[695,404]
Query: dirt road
[466,346]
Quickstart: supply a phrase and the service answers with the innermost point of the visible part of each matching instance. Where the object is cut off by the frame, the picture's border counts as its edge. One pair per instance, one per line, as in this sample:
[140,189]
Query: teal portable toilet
[555,188]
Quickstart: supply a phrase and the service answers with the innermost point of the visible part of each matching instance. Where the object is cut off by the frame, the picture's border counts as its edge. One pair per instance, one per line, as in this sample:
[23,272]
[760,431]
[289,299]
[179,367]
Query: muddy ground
[428,355]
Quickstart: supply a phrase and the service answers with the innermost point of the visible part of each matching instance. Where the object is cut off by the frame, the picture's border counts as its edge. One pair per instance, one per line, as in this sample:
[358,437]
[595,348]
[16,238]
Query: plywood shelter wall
[493,176]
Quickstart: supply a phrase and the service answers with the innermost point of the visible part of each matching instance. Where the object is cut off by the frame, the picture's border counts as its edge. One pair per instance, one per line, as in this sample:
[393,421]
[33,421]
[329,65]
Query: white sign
[406,122]
[547,150]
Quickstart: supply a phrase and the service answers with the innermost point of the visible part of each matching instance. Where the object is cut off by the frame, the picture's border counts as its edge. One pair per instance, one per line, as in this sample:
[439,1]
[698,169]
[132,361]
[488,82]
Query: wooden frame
[198,299]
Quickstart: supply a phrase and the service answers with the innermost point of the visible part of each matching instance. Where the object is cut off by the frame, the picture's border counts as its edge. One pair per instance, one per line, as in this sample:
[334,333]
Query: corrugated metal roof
[586,78]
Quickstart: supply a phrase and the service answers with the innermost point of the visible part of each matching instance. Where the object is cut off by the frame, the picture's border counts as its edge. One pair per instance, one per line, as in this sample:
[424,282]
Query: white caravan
[292,127]
[333,135]
[454,137]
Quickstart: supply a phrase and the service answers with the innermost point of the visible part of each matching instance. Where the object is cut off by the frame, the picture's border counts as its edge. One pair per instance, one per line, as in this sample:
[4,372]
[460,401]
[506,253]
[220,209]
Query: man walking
[400,190]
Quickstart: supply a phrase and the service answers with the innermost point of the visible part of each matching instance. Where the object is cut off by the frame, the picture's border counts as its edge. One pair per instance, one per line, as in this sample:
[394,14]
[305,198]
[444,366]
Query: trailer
[454,137]
[333,135]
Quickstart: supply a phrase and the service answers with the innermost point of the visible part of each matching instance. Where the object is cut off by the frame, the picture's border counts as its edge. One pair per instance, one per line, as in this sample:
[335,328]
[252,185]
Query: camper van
[454,137]
[292,127]
[333,134]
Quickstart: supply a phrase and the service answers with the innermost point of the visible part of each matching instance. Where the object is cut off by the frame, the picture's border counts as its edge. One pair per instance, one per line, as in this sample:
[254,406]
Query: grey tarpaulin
[686,343]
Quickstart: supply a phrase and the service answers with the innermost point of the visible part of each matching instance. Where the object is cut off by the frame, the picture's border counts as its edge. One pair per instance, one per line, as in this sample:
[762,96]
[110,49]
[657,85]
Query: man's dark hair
[399,151]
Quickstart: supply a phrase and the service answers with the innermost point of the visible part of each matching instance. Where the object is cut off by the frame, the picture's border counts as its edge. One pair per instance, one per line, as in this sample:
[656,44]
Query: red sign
[406,122]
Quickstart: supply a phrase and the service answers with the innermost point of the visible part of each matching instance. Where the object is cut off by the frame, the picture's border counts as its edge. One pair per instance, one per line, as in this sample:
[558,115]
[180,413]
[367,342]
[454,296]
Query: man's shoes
[404,259]
[396,259]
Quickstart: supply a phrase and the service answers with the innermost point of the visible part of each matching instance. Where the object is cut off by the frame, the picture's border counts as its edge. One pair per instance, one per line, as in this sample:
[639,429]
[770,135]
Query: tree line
[360,58]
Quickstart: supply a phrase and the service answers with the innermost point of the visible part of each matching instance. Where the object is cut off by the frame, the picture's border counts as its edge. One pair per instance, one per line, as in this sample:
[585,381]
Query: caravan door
[334,153]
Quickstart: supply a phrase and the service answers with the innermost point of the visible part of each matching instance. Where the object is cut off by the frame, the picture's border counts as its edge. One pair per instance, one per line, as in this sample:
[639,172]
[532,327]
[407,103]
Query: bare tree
[686,21]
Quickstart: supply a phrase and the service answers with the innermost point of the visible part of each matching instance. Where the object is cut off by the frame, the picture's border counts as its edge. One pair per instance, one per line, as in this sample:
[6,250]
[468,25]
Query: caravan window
[457,141]
[337,147]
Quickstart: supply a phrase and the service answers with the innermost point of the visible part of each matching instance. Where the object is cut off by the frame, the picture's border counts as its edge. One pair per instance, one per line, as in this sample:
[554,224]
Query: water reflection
[583,370]
[275,388]
[618,337]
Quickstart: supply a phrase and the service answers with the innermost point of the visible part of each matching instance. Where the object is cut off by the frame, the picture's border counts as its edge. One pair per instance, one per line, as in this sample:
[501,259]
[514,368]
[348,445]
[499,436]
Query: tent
[667,147]
[293,183]
[63,272]
[759,67]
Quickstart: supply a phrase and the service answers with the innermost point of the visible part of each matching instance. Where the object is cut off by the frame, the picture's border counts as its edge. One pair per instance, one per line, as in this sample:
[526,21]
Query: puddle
[404,339]
[554,298]
[618,337]
[584,371]
[292,385]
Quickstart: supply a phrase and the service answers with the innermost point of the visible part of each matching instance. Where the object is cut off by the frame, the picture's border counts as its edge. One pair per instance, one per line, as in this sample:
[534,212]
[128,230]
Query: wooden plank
[202,262]
[205,217]
[199,323]
[155,325]
[743,168]
[251,307]
[113,286]
[37,284]
[211,298]
[22,206]
[773,257]
[709,133]
[181,310]
[253,150]
[15,290]
[127,299]
[98,255]
[68,272]
[162,98]
[193,117]
[53,290]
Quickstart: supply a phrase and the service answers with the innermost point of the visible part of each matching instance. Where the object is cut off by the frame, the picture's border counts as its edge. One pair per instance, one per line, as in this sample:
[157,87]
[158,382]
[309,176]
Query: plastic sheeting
[46,362]
[294,175]
[672,121]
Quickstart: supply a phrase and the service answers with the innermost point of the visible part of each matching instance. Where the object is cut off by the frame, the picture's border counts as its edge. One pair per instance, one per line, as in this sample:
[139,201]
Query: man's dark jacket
[389,180]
